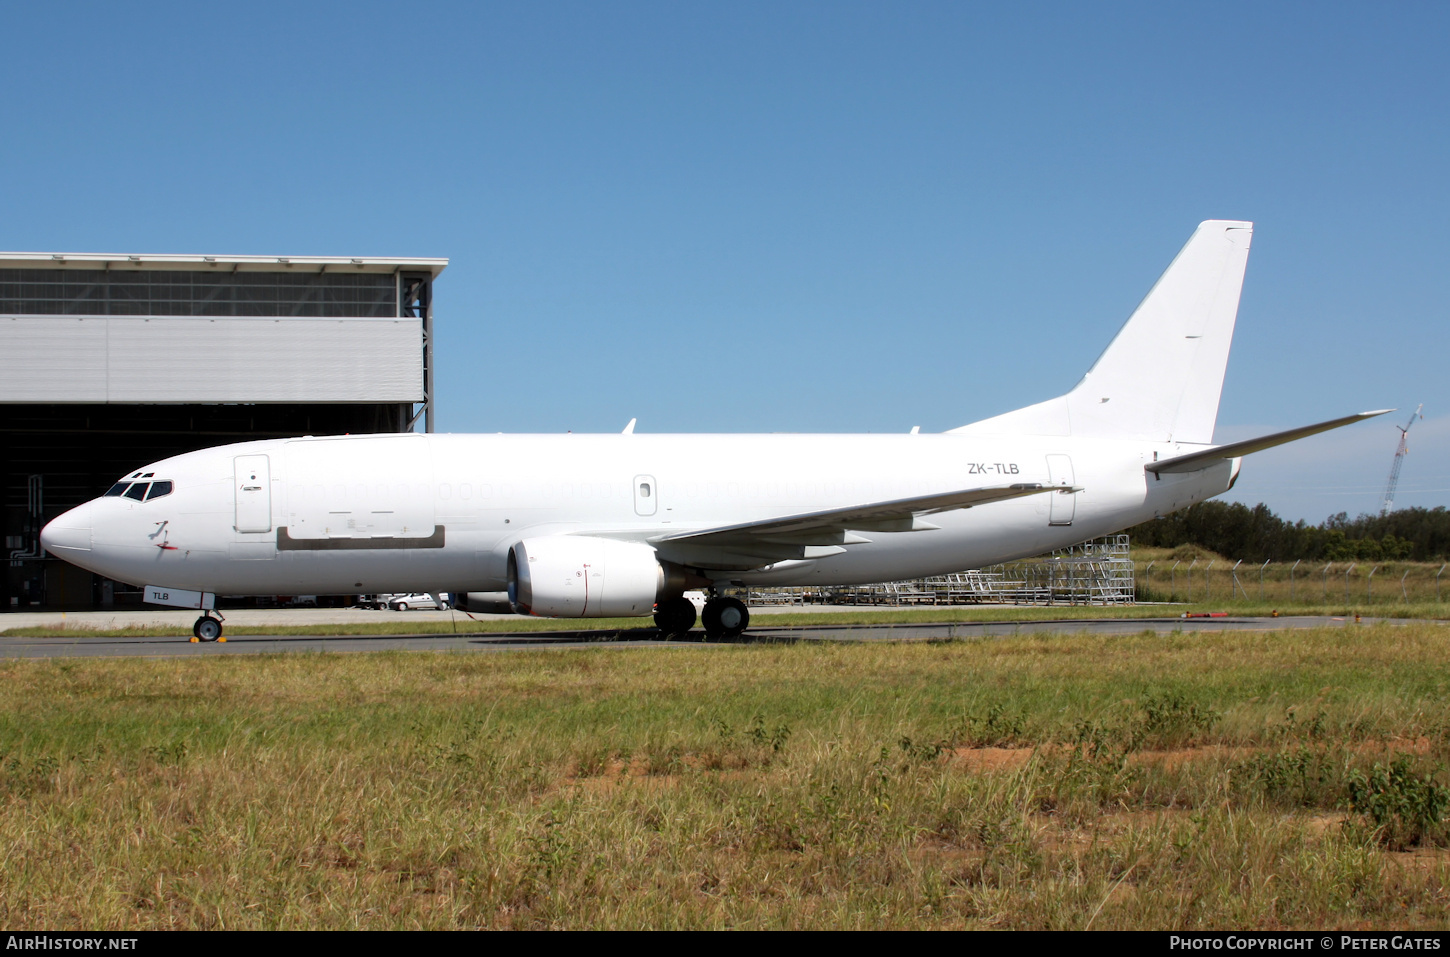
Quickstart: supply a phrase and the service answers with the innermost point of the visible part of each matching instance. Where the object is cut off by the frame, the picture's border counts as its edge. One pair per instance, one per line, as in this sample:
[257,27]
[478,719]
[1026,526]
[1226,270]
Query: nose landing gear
[207,628]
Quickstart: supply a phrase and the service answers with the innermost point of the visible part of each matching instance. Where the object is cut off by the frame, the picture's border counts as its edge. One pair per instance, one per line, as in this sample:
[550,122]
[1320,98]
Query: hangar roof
[314,264]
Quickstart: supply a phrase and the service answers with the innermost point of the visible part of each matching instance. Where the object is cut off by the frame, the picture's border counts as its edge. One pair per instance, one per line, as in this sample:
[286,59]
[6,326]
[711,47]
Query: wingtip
[1368,415]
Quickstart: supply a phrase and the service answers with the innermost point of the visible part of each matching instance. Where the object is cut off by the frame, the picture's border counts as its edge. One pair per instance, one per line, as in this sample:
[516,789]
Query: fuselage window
[159,489]
[644,490]
[138,491]
[116,489]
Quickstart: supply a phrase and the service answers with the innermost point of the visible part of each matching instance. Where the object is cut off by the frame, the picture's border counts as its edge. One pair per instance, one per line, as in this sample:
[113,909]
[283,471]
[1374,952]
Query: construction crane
[1399,460]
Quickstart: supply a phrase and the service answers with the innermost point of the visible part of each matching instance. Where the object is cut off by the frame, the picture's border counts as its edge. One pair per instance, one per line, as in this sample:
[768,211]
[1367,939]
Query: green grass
[1059,781]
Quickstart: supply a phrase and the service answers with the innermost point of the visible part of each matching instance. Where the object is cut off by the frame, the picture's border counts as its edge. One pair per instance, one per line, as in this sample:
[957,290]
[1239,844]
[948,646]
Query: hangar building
[109,362]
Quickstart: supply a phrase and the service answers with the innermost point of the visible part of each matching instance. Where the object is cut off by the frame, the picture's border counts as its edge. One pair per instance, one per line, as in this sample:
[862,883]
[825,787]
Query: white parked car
[422,601]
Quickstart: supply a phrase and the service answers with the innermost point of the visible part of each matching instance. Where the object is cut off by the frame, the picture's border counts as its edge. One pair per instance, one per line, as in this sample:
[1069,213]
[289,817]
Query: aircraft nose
[69,532]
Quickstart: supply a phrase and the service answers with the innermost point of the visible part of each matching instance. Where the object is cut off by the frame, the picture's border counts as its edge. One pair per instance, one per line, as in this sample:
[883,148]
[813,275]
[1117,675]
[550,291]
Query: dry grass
[1043,781]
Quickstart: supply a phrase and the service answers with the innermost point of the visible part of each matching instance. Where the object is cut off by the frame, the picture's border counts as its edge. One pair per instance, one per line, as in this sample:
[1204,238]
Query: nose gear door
[253,483]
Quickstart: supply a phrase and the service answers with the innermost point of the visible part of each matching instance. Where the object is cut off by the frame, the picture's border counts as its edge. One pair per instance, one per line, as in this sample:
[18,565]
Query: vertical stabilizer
[1161,377]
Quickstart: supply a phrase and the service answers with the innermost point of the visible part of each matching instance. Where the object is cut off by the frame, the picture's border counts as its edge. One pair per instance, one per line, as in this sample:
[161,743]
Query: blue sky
[791,216]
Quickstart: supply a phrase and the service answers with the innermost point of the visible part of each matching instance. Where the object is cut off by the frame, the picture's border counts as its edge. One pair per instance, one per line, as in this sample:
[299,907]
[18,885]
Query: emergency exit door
[1064,504]
[253,475]
[646,495]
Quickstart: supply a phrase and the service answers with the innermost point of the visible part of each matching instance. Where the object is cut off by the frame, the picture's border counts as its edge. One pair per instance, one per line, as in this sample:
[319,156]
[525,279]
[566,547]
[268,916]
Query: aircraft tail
[1161,377]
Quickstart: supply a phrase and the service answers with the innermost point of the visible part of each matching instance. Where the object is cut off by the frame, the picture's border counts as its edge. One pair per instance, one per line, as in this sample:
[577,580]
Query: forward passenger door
[252,476]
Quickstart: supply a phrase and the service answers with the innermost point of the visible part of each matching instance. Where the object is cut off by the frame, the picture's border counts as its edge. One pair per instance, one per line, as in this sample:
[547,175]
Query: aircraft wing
[1194,461]
[818,534]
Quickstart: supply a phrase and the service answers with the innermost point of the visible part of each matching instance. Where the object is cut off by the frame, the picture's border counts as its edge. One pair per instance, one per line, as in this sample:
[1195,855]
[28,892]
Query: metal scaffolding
[1097,572]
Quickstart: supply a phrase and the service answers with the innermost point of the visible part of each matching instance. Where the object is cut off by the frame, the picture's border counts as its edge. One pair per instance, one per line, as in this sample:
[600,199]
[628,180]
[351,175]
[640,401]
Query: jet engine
[569,576]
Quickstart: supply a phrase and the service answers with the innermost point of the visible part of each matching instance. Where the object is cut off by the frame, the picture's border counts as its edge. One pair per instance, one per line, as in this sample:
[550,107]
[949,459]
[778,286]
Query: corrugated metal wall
[136,359]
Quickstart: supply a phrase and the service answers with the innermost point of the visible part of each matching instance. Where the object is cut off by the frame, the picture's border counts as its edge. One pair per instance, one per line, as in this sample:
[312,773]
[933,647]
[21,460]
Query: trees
[1257,534]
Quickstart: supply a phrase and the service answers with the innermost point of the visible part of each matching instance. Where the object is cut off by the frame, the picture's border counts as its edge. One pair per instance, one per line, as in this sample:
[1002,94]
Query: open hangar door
[53,458]
[110,362]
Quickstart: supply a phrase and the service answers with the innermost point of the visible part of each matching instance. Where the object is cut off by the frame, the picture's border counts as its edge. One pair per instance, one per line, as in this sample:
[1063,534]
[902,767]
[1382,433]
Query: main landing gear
[207,628]
[725,618]
[674,617]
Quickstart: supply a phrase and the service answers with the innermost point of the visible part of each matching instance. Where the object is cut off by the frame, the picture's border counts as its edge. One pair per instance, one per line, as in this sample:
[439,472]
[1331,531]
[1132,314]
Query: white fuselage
[440,512]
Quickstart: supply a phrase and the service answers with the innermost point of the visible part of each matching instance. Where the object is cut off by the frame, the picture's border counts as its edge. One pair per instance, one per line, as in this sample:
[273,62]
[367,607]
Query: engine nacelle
[574,576]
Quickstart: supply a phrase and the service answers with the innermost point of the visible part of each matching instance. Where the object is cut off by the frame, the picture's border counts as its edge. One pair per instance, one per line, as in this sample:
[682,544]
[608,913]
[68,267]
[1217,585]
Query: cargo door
[372,486]
[1064,504]
[253,482]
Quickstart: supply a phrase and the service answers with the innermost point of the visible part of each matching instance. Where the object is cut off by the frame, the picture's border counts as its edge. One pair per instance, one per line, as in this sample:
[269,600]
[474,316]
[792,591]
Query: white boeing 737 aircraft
[586,526]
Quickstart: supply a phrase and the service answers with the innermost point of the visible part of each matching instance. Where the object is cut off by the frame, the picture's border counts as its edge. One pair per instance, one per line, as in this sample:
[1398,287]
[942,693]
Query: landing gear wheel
[207,629]
[725,618]
[675,617]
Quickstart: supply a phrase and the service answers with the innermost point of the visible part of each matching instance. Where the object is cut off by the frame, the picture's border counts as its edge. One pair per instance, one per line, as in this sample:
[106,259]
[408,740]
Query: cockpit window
[159,489]
[116,489]
[138,491]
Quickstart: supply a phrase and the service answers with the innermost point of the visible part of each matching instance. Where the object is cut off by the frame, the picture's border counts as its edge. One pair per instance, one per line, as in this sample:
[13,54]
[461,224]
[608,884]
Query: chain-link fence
[1291,583]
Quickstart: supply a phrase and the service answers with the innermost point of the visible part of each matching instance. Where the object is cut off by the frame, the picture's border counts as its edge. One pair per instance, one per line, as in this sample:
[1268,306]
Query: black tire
[725,618]
[194,626]
[675,617]
[208,629]
[401,606]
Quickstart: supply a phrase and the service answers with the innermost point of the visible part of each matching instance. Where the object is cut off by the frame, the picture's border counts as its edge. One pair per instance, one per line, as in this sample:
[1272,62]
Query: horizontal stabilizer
[1194,461]
[896,515]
